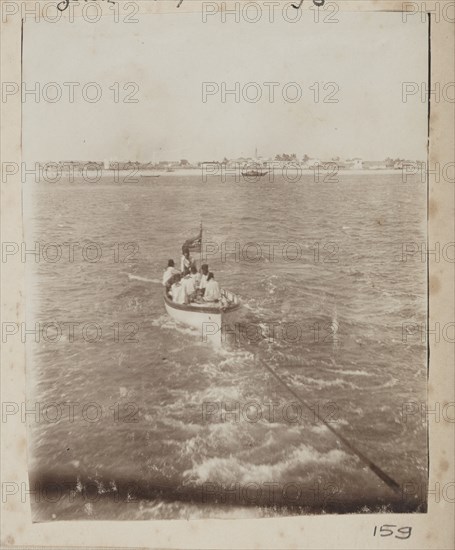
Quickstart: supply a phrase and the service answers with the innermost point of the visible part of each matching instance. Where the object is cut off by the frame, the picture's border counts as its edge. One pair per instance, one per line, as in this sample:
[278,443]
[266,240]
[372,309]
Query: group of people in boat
[190,285]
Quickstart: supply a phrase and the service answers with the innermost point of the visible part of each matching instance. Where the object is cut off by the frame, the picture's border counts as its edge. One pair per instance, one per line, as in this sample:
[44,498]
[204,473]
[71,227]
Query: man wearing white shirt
[186,262]
[212,290]
[196,277]
[178,291]
[170,272]
[204,274]
[190,284]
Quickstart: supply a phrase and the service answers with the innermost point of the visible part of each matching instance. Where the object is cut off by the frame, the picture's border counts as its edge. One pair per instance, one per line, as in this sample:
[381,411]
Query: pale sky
[169,57]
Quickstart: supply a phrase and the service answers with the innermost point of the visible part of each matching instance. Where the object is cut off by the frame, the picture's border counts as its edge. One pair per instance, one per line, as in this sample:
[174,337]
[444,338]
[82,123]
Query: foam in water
[132,277]
[235,470]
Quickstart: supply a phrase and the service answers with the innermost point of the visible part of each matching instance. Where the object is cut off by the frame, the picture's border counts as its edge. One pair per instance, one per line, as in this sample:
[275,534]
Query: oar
[373,467]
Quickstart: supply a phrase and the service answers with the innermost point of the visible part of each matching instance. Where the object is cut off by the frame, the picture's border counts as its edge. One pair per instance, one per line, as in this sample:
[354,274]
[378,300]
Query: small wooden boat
[255,172]
[254,169]
[207,318]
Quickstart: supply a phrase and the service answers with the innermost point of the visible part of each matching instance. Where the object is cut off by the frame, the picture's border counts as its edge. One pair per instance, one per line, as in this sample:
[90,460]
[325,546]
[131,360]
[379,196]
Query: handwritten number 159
[389,530]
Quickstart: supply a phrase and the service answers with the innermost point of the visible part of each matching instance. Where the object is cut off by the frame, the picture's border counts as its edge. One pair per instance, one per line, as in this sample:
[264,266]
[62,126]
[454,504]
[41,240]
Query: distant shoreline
[155,174]
[276,172]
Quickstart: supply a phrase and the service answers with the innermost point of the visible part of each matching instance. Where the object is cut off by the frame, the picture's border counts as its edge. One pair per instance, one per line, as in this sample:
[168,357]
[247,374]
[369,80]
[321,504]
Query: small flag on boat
[195,244]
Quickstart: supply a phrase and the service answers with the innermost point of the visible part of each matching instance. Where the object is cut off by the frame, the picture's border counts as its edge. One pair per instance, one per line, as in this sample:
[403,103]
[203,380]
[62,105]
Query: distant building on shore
[284,161]
[375,165]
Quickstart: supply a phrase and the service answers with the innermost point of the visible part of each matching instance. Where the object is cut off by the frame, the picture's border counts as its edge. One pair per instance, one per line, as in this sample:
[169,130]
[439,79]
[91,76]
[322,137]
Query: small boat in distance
[256,172]
[255,168]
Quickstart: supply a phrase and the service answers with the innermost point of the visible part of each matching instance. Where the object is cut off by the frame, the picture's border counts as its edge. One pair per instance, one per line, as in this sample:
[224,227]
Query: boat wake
[235,470]
[132,277]
[166,323]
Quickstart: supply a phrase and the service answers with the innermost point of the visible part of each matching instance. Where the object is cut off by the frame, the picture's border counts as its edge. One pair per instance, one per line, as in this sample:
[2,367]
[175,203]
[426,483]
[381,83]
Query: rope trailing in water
[373,467]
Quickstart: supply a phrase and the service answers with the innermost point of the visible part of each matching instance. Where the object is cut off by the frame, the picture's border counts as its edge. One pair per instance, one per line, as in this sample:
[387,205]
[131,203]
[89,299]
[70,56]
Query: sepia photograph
[225,245]
[227,293]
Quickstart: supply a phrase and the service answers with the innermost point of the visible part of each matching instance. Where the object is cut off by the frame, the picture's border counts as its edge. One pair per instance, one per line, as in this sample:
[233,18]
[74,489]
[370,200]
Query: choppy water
[170,460]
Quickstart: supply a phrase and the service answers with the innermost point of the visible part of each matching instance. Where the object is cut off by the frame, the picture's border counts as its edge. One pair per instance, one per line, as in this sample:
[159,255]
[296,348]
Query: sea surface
[165,425]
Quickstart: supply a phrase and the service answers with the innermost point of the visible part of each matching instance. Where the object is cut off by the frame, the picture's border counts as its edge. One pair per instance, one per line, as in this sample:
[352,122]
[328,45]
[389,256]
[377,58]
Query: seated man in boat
[203,281]
[212,290]
[190,284]
[169,272]
[186,262]
[196,276]
[178,291]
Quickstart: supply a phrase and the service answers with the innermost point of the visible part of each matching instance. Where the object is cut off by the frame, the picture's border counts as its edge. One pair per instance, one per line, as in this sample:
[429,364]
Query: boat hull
[207,320]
